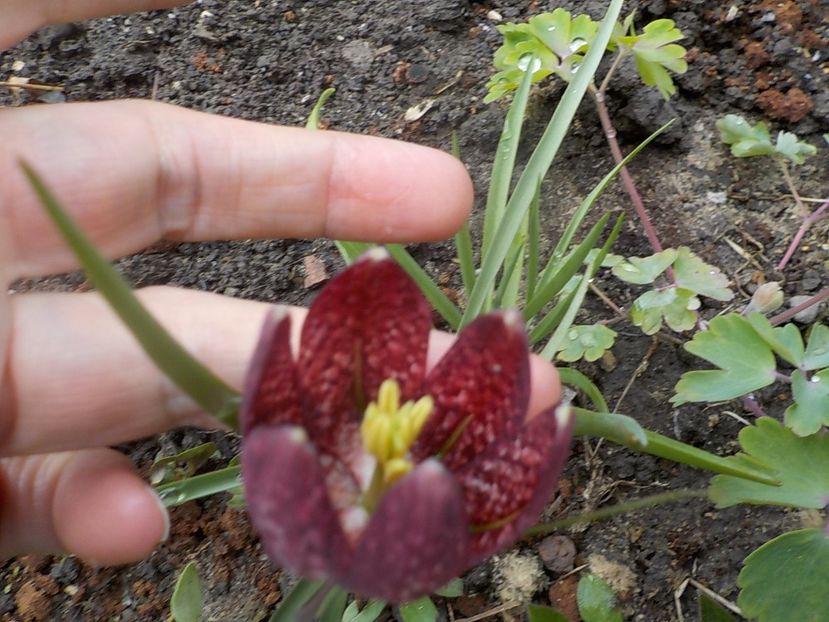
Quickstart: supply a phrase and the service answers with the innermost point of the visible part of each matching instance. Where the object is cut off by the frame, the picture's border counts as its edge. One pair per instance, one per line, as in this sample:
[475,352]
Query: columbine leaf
[596,601]
[656,53]
[586,341]
[745,140]
[810,410]
[675,305]
[746,362]
[187,602]
[801,465]
[787,578]
[548,43]
[644,270]
[817,350]
[784,340]
[793,149]
[711,611]
[693,273]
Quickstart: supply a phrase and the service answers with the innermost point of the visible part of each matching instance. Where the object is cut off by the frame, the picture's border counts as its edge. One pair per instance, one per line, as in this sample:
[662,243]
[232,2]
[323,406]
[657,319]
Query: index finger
[134,172]
[20,17]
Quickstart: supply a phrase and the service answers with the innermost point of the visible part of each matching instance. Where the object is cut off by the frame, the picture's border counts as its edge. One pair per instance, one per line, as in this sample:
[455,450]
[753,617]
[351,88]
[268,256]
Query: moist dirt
[268,60]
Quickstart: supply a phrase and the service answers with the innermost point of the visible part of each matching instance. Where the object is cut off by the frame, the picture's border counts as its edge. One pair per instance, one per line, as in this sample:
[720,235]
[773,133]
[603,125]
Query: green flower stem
[182,491]
[194,379]
[612,427]
[674,496]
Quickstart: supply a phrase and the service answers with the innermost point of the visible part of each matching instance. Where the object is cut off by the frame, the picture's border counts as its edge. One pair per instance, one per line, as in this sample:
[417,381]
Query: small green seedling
[674,302]
[187,602]
[748,141]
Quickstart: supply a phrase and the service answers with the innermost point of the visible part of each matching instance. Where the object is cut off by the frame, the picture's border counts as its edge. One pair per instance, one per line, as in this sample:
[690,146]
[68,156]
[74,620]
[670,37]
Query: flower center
[389,429]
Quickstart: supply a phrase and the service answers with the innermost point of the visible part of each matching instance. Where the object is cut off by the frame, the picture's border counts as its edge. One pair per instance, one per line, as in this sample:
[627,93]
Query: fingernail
[164,513]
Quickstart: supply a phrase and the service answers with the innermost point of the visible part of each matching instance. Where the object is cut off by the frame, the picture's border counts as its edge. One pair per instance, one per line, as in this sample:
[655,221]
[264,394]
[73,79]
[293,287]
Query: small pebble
[495,16]
[558,553]
[807,316]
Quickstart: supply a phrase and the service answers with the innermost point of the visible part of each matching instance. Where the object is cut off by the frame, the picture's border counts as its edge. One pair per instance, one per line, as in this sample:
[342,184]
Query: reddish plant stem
[751,405]
[787,315]
[627,180]
[808,221]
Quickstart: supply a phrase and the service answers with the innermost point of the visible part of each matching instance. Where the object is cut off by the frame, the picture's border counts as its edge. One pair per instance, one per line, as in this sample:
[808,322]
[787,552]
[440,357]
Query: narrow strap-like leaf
[557,340]
[298,597]
[437,298]
[552,281]
[538,165]
[533,239]
[463,239]
[504,164]
[575,222]
[188,374]
[198,486]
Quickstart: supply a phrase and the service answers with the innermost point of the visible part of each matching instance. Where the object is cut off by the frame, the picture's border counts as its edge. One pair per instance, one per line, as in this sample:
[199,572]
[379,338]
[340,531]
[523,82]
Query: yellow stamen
[389,429]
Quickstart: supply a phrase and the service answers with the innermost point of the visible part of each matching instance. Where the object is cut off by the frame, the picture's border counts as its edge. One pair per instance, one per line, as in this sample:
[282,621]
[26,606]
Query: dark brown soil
[269,60]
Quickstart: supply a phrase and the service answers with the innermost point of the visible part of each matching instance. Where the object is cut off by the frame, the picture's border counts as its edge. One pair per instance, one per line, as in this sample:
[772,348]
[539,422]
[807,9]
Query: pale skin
[72,379]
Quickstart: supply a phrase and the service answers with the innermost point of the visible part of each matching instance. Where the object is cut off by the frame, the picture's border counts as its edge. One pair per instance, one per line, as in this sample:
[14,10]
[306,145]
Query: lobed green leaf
[801,464]
[644,270]
[810,410]
[787,578]
[675,306]
[656,54]
[703,279]
[588,342]
[746,362]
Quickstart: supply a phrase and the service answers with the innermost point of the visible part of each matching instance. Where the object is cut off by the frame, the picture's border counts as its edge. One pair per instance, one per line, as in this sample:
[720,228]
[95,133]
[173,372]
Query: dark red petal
[482,383]
[512,481]
[368,324]
[288,502]
[271,393]
[416,541]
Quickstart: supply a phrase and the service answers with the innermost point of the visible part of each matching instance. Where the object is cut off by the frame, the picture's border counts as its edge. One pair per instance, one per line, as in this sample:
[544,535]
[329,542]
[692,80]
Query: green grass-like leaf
[297,598]
[538,165]
[188,374]
[188,600]
[800,463]
[787,579]
[746,362]
[191,488]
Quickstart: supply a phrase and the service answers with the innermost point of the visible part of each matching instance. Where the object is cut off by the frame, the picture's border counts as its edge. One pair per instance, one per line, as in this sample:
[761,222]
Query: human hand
[72,379]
